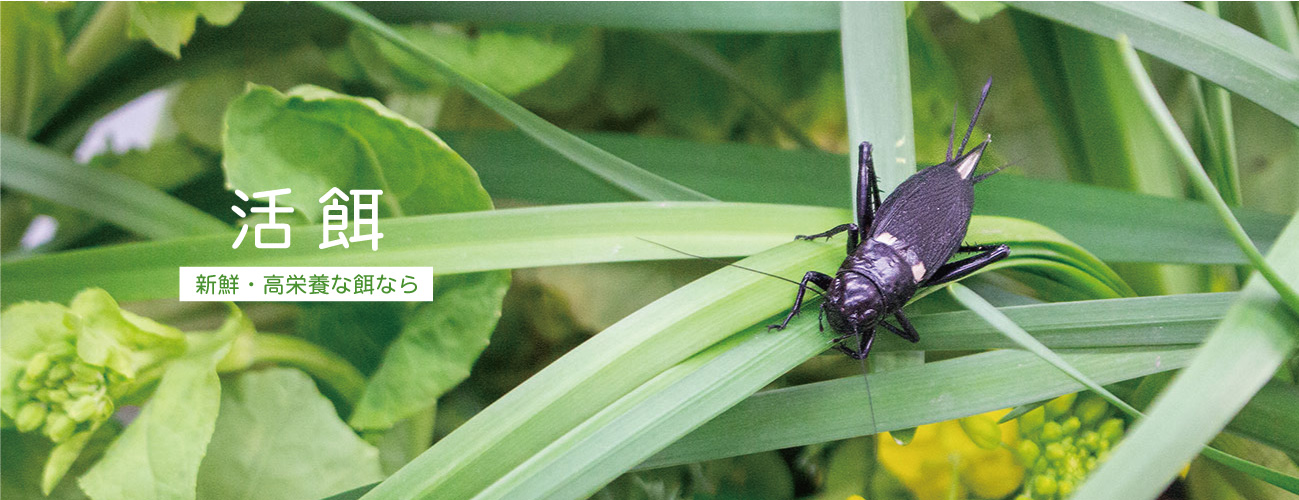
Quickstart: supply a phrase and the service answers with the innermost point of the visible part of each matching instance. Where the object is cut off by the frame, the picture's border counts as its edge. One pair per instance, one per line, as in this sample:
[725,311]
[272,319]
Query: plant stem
[326,366]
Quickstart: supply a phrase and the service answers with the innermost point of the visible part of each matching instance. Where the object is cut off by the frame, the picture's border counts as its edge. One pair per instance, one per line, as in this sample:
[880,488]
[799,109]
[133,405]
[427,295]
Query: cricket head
[853,304]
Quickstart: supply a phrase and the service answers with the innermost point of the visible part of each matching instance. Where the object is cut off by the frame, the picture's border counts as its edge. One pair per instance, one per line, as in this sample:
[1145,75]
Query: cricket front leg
[853,232]
[819,279]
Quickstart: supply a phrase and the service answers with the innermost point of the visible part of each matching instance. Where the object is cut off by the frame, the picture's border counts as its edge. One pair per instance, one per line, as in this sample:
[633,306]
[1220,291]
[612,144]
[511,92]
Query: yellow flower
[942,458]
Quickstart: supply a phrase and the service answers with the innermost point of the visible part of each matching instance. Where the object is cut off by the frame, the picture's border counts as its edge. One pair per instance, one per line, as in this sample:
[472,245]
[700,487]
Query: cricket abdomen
[925,218]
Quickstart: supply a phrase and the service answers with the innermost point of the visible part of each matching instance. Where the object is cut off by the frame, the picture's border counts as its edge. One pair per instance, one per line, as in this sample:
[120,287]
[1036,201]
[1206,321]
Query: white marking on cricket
[967,164]
[918,271]
[887,239]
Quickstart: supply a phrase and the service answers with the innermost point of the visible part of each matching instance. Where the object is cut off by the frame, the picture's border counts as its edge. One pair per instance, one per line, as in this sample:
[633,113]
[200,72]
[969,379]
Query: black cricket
[908,241]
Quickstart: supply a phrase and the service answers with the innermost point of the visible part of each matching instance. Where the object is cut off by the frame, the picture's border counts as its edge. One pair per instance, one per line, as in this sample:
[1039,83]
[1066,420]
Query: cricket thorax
[890,265]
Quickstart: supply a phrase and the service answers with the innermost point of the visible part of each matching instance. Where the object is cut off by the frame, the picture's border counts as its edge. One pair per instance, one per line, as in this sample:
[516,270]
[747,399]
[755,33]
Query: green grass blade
[451,243]
[615,170]
[1007,327]
[877,87]
[944,390]
[712,61]
[1200,179]
[1270,417]
[1194,40]
[1279,24]
[125,202]
[748,17]
[1240,355]
[1114,225]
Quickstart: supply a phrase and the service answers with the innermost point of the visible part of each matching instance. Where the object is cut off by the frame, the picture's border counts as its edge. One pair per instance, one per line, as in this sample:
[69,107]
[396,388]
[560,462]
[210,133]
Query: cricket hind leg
[955,270]
[821,280]
[868,188]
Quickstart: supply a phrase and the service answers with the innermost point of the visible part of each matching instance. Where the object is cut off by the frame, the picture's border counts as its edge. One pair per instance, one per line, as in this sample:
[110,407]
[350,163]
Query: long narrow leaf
[1200,179]
[615,170]
[1238,358]
[754,17]
[1192,39]
[877,87]
[827,411]
[128,203]
[1026,341]
[1114,225]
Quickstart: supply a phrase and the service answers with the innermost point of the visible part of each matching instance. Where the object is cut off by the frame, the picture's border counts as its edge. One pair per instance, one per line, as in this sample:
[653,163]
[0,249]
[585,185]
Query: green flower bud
[89,374]
[56,396]
[1041,466]
[982,430]
[1027,452]
[1089,440]
[1055,452]
[1091,410]
[28,385]
[104,410]
[59,372]
[1031,421]
[59,427]
[1070,426]
[31,416]
[1060,406]
[1091,463]
[1044,486]
[1111,430]
[82,408]
[1064,487]
[1051,432]
[37,366]
[78,389]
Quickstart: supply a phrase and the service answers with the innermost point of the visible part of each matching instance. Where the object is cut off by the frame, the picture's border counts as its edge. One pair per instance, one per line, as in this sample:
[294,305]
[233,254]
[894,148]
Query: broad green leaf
[278,438]
[35,70]
[435,349]
[510,60]
[158,455]
[131,204]
[359,144]
[169,25]
[199,106]
[615,170]
[312,140]
[1194,40]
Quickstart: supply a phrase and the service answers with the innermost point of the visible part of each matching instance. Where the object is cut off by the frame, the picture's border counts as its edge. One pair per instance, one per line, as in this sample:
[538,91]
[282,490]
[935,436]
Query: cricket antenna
[951,136]
[870,401]
[977,109]
[728,264]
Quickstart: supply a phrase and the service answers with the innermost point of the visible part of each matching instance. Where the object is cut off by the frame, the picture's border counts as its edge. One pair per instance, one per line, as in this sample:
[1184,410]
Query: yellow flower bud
[1091,410]
[1060,406]
[983,430]
[1051,432]
[1032,421]
[1044,486]
[1027,452]
[1070,426]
